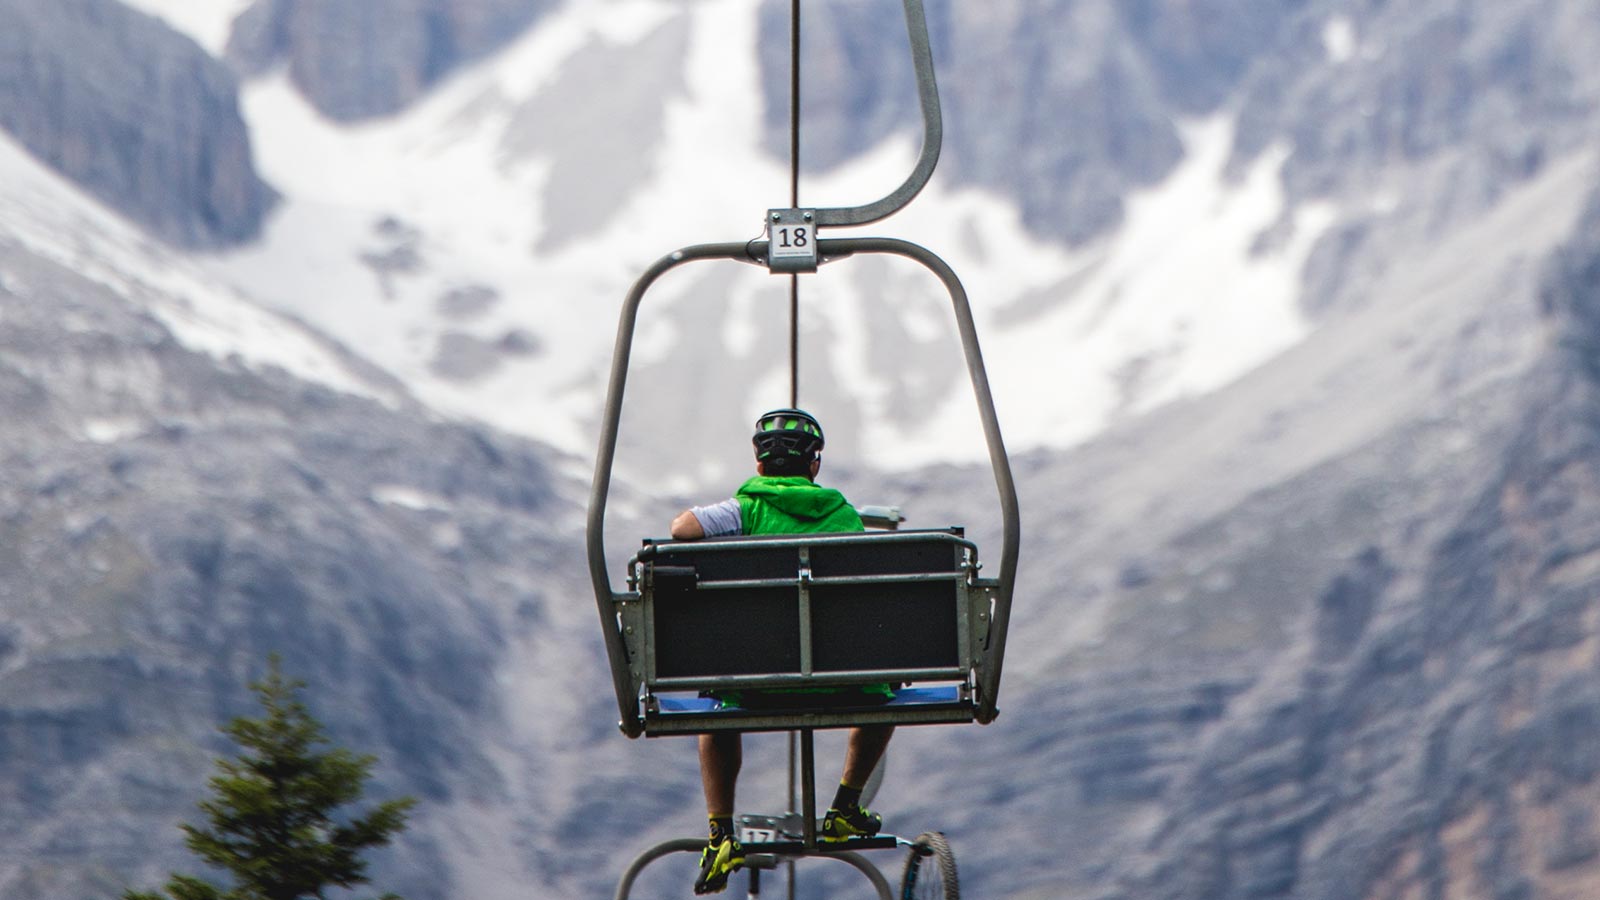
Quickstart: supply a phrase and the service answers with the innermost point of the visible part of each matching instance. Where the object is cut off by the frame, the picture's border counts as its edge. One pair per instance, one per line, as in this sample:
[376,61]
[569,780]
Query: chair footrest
[791,848]
[911,706]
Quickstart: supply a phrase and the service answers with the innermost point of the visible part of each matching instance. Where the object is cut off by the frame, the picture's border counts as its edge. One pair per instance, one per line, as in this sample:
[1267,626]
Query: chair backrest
[804,611]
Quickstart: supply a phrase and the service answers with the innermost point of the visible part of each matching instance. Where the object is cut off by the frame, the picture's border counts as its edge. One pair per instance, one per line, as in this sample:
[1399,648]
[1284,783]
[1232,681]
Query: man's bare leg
[846,818]
[862,753]
[721,755]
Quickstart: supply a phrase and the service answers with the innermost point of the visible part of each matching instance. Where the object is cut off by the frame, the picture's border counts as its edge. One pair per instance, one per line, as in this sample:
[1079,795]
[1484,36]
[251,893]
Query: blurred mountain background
[1292,313]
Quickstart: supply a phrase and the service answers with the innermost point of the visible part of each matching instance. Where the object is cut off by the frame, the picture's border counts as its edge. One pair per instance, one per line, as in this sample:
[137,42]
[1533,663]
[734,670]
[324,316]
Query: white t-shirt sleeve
[719,519]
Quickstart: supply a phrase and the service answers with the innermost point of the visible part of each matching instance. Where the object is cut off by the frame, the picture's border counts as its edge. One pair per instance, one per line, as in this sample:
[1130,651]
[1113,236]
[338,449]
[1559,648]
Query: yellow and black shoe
[850,822]
[722,857]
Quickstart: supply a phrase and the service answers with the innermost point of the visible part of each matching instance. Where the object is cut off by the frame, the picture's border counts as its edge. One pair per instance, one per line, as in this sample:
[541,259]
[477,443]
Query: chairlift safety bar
[932,133]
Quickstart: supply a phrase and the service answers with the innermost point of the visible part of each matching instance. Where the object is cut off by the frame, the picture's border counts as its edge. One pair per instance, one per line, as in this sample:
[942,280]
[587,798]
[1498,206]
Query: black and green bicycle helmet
[787,434]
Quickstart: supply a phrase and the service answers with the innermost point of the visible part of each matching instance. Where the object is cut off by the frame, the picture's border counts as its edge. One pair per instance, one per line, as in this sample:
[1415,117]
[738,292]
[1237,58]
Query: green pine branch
[273,817]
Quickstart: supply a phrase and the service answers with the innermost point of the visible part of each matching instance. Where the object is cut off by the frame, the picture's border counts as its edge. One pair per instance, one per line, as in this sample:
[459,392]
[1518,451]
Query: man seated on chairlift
[782,498]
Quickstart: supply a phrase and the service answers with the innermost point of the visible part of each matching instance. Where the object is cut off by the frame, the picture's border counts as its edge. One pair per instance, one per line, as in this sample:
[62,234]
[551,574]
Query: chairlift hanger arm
[932,133]
[792,248]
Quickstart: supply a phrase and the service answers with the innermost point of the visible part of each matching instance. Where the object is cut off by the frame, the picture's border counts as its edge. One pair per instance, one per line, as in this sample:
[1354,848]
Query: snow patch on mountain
[382,224]
[411,498]
[208,22]
[1184,298]
[112,429]
[1198,287]
[1339,39]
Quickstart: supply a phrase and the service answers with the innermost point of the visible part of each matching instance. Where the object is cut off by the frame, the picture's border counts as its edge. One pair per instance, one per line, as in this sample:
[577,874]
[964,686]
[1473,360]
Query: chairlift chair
[828,611]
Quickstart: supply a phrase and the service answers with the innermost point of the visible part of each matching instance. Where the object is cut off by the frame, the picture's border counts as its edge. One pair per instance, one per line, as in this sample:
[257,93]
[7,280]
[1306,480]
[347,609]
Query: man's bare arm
[687,527]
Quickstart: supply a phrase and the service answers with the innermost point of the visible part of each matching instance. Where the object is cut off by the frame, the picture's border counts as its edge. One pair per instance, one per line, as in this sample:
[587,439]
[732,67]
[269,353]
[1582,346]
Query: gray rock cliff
[168,519]
[1369,679]
[356,59]
[1065,107]
[136,114]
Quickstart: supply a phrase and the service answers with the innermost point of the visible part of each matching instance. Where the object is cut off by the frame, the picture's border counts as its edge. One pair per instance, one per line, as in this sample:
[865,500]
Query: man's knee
[721,749]
[872,734]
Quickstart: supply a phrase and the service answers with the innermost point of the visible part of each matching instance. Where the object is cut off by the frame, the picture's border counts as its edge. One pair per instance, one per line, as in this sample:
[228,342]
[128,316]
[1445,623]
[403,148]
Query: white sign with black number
[748,835]
[792,241]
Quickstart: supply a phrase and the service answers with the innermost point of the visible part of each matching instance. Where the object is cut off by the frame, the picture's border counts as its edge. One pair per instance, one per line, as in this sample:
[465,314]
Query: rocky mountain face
[356,60]
[1066,106]
[135,114]
[1369,678]
[167,520]
[1432,734]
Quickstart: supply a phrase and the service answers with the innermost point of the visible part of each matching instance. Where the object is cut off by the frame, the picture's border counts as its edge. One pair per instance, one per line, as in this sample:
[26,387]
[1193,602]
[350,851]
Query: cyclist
[782,498]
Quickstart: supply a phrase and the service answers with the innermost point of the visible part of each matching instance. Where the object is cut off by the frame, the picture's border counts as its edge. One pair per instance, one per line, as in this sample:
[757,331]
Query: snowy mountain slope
[1460,322]
[51,217]
[477,247]
[1257,620]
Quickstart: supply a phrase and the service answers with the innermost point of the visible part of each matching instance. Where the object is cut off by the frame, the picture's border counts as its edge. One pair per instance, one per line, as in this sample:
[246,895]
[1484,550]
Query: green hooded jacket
[792,504]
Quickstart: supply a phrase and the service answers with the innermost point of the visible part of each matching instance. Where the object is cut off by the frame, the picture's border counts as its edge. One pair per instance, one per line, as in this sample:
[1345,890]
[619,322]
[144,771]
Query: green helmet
[787,434]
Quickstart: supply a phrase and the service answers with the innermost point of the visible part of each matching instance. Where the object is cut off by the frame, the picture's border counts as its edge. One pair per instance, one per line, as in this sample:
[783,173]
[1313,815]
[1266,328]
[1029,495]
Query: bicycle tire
[930,870]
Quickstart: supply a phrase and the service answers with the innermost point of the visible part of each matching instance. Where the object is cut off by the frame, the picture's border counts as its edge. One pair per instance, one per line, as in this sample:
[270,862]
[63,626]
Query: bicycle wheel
[930,870]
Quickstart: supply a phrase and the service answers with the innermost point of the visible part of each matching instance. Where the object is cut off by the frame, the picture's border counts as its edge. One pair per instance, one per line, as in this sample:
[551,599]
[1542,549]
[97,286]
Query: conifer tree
[271,814]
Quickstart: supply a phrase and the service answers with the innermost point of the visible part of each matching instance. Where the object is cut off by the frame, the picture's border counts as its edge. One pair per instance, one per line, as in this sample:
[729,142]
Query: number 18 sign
[791,240]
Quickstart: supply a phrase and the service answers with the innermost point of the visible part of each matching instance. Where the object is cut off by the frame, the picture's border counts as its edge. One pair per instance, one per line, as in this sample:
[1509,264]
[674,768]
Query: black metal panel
[746,631]
[747,562]
[884,626]
[898,557]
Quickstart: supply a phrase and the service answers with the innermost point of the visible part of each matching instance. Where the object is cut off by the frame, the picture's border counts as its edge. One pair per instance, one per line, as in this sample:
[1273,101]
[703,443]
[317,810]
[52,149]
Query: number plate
[791,240]
[748,835]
